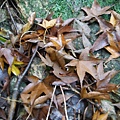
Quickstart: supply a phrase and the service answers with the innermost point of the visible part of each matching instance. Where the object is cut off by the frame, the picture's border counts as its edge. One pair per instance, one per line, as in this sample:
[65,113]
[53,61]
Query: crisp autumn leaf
[84,64]
[46,60]
[104,25]
[95,10]
[28,25]
[65,76]
[103,84]
[7,54]
[114,46]
[48,24]
[68,21]
[83,28]
[60,99]
[57,42]
[103,116]
[98,116]
[32,94]
[86,42]
[100,42]
[94,95]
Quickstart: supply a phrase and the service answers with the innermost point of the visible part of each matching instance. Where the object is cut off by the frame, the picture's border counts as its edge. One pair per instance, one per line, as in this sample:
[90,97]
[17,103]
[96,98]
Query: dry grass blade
[51,103]
[64,103]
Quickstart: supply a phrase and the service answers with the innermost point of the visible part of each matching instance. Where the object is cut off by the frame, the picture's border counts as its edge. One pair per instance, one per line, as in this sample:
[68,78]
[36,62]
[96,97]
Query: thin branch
[51,103]
[64,103]
[11,17]
[16,89]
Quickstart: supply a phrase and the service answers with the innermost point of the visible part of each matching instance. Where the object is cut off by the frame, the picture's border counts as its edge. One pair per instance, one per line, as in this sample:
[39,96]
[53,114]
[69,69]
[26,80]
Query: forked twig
[64,103]
[16,89]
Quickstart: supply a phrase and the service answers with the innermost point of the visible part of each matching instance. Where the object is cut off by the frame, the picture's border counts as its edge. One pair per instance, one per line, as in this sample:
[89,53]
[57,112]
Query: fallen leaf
[95,11]
[98,116]
[94,95]
[48,24]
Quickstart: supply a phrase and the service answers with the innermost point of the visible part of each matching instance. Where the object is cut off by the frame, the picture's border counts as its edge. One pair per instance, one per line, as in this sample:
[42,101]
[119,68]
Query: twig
[16,89]
[11,17]
[64,103]
[3,3]
[51,102]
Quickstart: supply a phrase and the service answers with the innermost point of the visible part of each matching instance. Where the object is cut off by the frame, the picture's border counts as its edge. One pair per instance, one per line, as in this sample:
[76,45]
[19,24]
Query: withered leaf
[95,10]
[98,116]
[94,95]
[7,54]
[101,42]
[114,46]
[83,28]
[48,24]
[103,84]
[67,77]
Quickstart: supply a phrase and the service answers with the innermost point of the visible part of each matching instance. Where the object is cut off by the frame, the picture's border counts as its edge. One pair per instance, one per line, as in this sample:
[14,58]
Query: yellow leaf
[9,70]
[18,63]
[26,27]
[15,70]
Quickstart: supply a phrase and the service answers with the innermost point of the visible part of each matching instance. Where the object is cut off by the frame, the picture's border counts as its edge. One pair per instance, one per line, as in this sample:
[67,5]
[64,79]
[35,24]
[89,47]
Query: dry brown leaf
[67,77]
[114,47]
[103,84]
[7,54]
[48,24]
[95,11]
[94,95]
[98,116]
[100,42]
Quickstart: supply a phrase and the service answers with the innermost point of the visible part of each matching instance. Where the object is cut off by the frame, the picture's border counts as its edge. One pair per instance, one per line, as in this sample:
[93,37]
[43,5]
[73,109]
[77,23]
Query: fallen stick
[16,89]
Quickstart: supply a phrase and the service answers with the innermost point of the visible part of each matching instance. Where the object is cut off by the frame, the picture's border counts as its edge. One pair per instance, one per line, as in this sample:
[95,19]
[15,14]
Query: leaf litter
[75,77]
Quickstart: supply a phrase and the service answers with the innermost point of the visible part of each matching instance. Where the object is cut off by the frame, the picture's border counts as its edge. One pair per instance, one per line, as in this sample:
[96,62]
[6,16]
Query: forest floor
[59,61]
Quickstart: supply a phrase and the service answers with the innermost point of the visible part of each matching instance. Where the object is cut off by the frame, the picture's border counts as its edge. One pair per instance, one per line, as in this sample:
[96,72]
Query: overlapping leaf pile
[77,71]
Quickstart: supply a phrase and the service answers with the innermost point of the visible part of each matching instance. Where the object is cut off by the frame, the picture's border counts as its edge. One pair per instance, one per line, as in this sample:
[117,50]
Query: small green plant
[68,8]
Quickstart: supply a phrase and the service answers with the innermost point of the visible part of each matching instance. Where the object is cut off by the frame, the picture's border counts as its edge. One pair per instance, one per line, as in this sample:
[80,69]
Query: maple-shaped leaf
[65,76]
[94,94]
[32,94]
[103,84]
[113,47]
[48,24]
[57,42]
[84,64]
[95,11]
[83,28]
[100,42]
[104,25]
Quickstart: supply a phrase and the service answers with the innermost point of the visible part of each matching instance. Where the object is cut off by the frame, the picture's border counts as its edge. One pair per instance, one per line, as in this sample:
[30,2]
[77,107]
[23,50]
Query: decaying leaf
[98,116]
[48,24]
[95,11]
[94,95]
